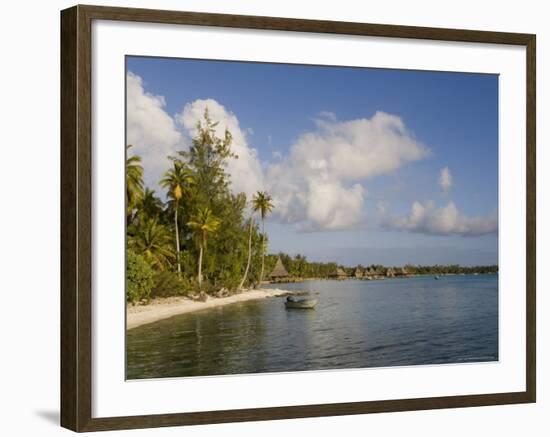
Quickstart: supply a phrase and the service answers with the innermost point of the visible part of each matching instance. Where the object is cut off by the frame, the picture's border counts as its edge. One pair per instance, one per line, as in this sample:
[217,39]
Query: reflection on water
[355,324]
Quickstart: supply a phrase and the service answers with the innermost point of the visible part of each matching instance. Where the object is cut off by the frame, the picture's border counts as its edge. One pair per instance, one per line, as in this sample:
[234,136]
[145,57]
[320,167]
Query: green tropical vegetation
[139,277]
[203,224]
[177,180]
[134,183]
[196,236]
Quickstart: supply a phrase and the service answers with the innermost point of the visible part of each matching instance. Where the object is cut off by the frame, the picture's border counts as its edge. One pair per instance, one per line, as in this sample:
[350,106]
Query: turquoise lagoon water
[356,324]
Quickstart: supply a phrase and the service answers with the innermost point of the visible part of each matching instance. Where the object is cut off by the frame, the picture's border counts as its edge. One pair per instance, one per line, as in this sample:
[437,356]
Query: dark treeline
[450,269]
[299,267]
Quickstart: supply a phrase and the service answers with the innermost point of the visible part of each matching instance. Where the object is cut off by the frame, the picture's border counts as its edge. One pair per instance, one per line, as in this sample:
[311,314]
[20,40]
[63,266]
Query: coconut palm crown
[262,203]
[134,182]
[176,179]
[152,240]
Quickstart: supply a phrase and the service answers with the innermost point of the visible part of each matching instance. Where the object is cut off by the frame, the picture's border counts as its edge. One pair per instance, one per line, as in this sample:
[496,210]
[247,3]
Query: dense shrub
[139,278]
[169,284]
[230,279]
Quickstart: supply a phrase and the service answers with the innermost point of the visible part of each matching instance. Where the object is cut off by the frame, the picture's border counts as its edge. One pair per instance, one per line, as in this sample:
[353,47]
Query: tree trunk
[263,252]
[177,239]
[199,278]
[249,255]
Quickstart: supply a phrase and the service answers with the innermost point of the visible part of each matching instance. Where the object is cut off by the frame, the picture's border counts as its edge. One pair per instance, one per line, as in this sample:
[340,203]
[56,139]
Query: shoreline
[377,278]
[164,308]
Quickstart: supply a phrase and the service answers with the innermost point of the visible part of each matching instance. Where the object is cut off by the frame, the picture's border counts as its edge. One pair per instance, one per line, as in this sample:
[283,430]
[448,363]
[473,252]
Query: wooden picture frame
[76,217]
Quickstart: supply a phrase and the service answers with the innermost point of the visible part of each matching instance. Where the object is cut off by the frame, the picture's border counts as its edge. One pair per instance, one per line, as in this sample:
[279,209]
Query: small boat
[301,304]
[436,277]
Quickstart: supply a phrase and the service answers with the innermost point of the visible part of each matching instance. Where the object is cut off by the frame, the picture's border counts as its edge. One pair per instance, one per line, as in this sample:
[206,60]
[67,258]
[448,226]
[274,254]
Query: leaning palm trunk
[263,253]
[177,239]
[249,255]
[262,202]
[199,277]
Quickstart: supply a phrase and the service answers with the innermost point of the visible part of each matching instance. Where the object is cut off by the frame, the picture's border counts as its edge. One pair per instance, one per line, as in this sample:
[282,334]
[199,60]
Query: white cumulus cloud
[318,184]
[149,129]
[320,181]
[332,206]
[155,135]
[445,179]
[427,218]
[246,171]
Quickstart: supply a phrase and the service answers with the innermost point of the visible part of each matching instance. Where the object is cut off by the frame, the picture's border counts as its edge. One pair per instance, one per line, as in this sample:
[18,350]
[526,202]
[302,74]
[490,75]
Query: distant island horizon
[282,266]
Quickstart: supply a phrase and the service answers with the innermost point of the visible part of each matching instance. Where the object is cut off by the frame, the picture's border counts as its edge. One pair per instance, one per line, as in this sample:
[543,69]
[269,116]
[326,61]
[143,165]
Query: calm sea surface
[393,322]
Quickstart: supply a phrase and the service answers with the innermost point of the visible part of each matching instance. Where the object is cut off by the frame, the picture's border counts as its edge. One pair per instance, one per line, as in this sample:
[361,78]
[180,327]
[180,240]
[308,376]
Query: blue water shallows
[356,324]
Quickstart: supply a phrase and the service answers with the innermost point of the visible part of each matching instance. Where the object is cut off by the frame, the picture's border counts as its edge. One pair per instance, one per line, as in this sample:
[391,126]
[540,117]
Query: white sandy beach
[163,308]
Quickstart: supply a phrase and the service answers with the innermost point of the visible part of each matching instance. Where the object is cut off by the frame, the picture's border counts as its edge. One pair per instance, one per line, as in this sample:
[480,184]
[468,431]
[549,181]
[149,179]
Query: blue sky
[365,165]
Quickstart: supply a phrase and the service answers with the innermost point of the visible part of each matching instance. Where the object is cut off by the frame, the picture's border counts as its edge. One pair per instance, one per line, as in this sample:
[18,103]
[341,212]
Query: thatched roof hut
[402,272]
[371,272]
[279,270]
[390,273]
[359,272]
[339,273]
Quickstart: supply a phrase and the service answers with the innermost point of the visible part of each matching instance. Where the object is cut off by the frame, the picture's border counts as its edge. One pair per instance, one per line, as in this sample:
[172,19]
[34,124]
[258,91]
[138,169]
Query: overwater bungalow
[390,272]
[371,273]
[279,272]
[359,273]
[339,274]
[402,271]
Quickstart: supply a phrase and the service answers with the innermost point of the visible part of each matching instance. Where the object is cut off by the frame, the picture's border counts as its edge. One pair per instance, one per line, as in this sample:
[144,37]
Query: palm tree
[251,221]
[262,202]
[175,180]
[134,183]
[149,206]
[203,223]
[152,240]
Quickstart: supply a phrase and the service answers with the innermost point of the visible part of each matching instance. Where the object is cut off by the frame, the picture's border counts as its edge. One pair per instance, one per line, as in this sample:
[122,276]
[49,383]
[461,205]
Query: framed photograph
[268,218]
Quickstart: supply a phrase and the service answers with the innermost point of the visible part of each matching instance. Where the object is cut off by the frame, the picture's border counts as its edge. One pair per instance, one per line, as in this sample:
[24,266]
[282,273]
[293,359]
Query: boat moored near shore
[294,303]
